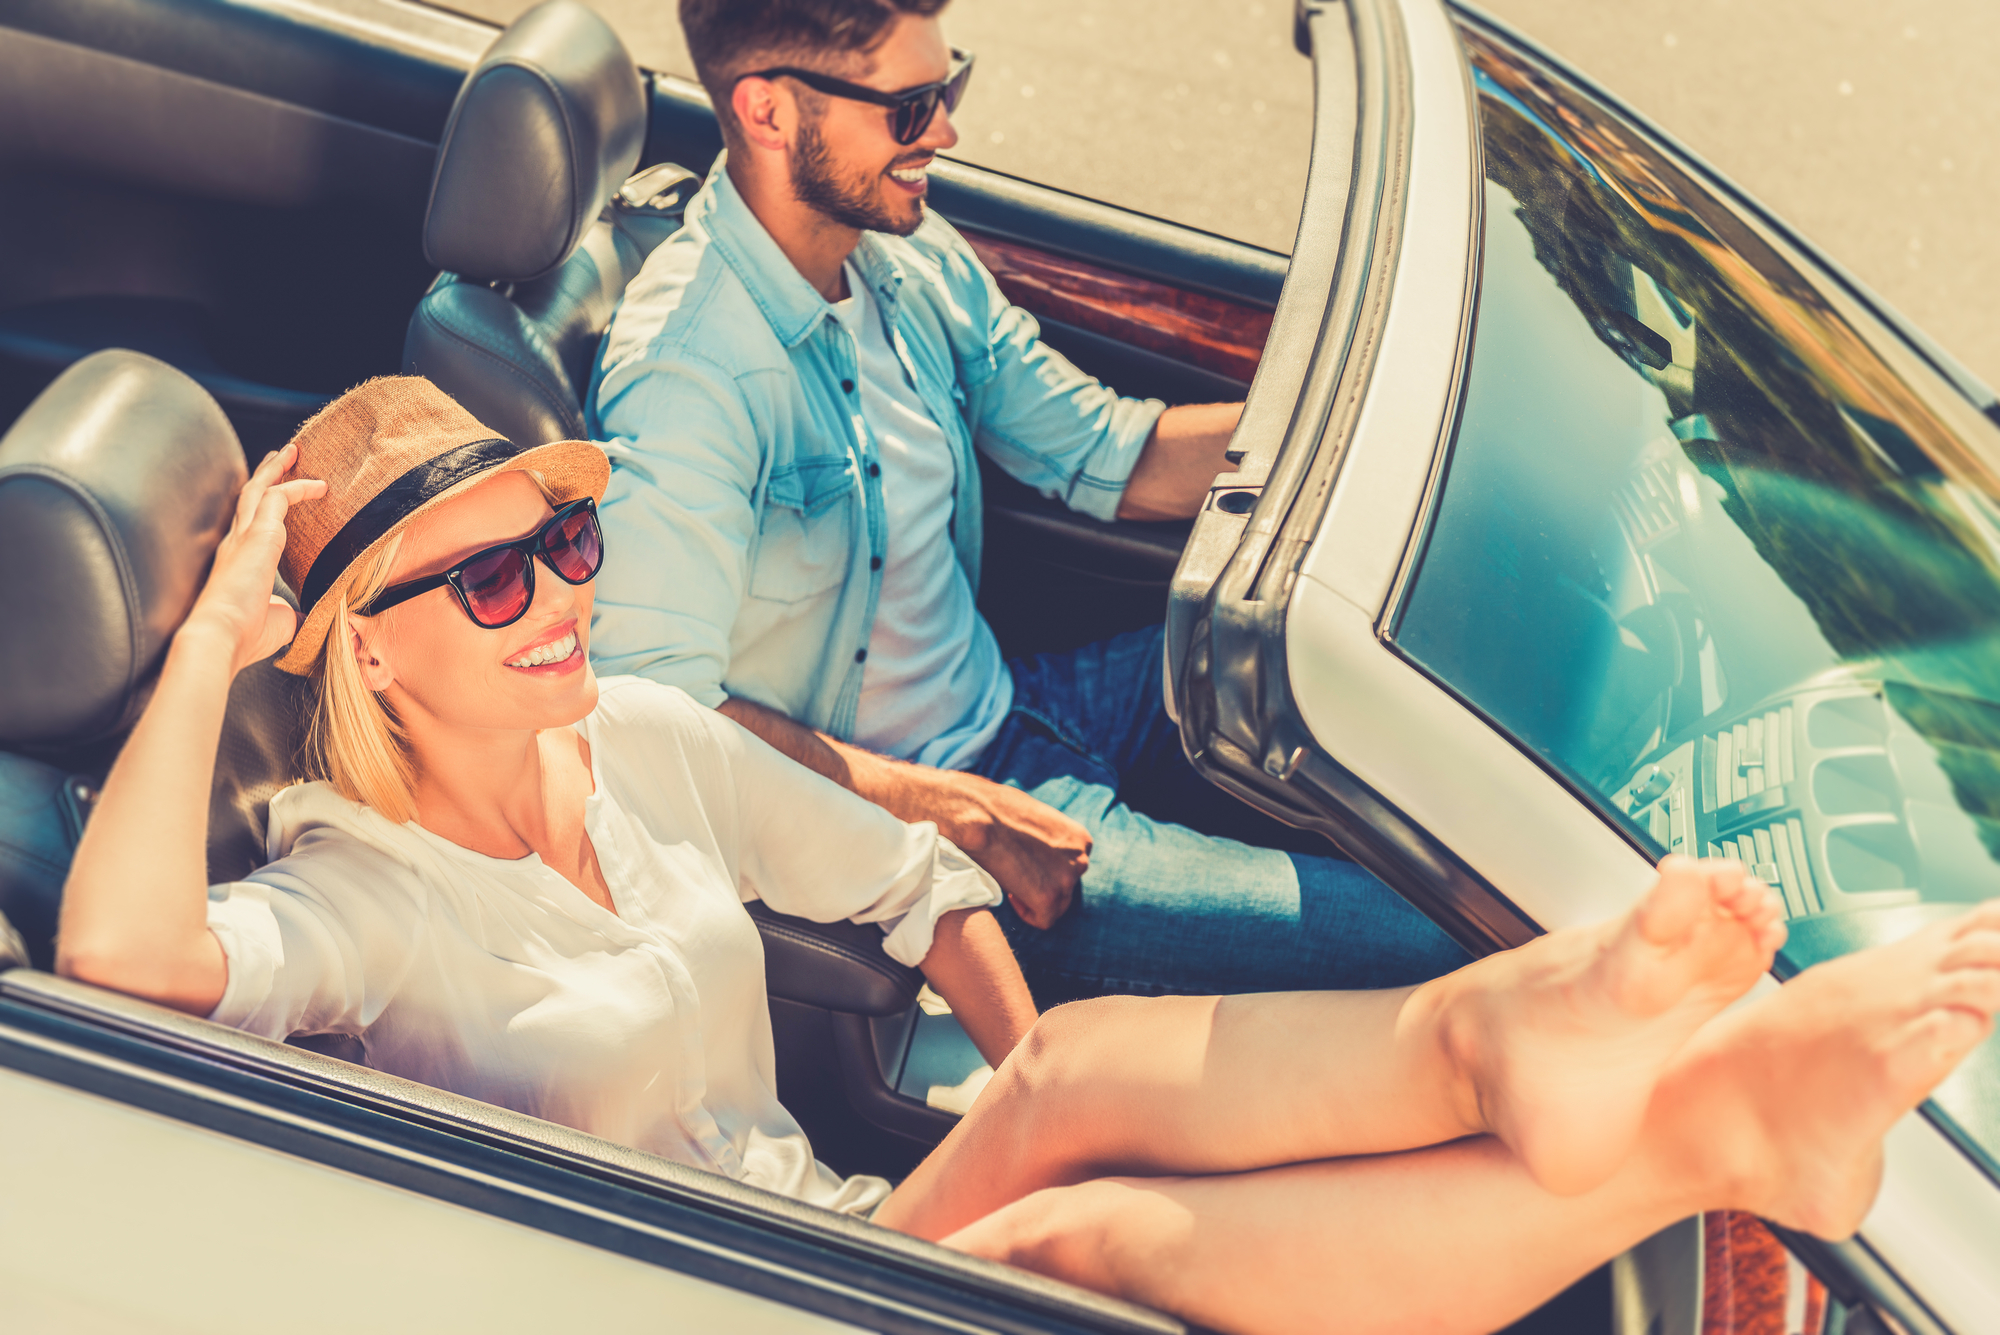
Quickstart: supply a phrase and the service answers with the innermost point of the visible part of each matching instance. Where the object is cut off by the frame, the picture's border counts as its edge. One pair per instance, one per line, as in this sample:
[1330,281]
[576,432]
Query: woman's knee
[1073,1044]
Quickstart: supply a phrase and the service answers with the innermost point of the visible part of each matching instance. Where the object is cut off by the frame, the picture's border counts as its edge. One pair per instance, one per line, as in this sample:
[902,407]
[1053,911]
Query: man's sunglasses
[496,587]
[910,111]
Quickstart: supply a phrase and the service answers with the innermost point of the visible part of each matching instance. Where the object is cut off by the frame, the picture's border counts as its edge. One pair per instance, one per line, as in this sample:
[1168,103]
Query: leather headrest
[115,487]
[550,122]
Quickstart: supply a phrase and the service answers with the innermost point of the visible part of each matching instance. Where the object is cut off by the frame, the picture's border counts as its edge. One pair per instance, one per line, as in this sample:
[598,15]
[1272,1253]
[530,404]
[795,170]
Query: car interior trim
[1062,223]
[392,66]
[1219,335]
[495,1150]
[78,107]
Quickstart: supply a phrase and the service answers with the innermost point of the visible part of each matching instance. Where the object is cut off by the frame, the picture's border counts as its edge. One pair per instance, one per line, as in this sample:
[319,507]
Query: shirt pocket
[804,535]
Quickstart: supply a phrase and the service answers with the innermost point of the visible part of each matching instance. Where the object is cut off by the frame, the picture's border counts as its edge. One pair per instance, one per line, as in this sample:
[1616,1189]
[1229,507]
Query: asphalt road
[1867,124]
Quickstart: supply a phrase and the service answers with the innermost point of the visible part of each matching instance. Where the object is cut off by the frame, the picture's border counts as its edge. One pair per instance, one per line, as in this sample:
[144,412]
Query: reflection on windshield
[1701,550]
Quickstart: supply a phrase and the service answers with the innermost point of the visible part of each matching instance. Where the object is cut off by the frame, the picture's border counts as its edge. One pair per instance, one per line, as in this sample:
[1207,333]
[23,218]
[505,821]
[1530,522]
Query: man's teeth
[555,651]
[911,175]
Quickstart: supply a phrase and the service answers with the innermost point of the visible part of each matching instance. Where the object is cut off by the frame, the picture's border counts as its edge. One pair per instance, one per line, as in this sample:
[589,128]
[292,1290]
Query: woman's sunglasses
[496,587]
[910,111]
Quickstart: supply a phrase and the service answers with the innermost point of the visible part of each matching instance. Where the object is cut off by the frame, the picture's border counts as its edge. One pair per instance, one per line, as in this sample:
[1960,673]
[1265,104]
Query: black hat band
[397,502]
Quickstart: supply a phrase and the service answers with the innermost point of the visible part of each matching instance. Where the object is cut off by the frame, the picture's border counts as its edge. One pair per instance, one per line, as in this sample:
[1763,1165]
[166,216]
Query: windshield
[1705,554]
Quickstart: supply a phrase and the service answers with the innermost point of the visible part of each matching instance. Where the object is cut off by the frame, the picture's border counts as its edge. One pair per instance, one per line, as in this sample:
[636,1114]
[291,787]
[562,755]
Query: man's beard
[851,203]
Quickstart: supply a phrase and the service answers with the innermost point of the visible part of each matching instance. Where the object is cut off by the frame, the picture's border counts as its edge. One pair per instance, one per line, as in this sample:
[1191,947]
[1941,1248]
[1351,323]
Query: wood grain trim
[1748,1279]
[1216,334]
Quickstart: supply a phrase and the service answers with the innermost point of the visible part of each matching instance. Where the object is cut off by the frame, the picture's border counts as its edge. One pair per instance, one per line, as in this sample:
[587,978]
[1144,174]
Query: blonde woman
[525,885]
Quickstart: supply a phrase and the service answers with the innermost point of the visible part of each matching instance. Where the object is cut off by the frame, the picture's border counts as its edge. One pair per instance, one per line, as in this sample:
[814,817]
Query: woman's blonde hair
[354,739]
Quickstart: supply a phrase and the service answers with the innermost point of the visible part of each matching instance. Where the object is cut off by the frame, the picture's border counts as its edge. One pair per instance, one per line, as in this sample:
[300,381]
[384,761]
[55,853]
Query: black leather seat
[535,223]
[115,486]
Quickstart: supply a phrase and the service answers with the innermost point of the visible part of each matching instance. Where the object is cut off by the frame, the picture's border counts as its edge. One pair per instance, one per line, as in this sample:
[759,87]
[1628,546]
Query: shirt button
[847,386]
[874,563]
[861,655]
[874,470]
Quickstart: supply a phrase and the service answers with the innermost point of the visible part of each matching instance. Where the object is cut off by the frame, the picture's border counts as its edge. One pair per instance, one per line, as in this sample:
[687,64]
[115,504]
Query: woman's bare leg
[1778,1109]
[1515,1044]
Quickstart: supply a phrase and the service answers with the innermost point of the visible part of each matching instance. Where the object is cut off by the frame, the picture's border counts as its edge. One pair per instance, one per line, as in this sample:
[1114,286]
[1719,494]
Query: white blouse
[500,980]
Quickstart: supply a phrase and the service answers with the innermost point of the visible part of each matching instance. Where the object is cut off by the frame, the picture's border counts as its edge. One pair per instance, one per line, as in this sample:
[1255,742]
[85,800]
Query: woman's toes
[1982,917]
[1973,949]
[1932,1045]
[1678,901]
[1967,989]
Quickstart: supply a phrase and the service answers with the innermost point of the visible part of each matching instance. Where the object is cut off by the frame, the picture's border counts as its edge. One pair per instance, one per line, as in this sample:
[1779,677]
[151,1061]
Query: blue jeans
[1172,903]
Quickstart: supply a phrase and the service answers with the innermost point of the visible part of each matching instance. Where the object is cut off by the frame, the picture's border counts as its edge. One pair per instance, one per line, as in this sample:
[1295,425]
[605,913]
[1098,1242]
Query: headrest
[550,122]
[115,487]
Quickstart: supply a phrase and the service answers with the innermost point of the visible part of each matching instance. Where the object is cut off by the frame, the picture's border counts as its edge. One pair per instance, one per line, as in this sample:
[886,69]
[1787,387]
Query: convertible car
[1581,513]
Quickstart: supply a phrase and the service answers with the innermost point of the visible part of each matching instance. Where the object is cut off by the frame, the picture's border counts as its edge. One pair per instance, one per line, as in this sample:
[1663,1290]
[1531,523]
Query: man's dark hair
[728,37]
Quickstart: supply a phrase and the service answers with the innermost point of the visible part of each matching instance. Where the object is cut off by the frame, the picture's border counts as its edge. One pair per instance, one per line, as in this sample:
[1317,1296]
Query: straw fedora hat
[389,450]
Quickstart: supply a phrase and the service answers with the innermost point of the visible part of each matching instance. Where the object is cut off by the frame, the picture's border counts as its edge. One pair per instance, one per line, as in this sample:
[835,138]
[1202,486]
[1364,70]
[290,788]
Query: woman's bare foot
[1798,1089]
[1561,1041]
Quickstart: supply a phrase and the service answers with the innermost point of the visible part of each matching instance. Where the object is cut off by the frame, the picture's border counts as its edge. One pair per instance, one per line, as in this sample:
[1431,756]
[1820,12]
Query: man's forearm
[893,784]
[813,749]
[1180,461]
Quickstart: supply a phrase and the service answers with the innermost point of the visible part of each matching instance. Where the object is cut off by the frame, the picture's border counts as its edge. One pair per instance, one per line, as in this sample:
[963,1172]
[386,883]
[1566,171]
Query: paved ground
[1868,124]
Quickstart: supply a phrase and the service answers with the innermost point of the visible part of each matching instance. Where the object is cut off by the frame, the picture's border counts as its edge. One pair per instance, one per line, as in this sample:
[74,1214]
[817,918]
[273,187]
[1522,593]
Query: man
[791,393]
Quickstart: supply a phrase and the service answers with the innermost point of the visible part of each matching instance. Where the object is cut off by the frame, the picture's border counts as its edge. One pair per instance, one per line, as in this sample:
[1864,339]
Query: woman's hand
[973,968]
[236,604]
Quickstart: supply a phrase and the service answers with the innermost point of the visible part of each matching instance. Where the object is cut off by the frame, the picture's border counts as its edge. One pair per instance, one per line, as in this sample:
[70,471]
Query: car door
[165,1173]
[1360,653]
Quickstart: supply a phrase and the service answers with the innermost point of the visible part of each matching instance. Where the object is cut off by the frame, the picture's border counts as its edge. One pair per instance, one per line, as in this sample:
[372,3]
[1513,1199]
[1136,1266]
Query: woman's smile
[557,653]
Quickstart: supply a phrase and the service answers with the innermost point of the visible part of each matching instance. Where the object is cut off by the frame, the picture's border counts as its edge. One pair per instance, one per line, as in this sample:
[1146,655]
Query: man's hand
[1036,853]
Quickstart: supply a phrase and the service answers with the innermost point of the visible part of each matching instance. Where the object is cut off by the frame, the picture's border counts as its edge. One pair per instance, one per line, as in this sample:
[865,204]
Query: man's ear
[765,113]
[375,672]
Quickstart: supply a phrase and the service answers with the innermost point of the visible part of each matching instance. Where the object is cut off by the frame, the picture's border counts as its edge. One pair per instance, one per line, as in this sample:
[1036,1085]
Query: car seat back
[535,224]
[116,485]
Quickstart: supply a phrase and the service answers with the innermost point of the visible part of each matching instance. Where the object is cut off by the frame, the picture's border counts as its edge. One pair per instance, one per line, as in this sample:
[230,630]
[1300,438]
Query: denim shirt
[743,524]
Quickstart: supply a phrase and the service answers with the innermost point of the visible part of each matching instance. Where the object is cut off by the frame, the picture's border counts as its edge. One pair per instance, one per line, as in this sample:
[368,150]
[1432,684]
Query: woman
[524,885]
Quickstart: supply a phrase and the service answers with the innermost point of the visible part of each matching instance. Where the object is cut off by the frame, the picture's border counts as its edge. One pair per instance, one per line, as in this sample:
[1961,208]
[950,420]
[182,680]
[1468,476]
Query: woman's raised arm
[135,908]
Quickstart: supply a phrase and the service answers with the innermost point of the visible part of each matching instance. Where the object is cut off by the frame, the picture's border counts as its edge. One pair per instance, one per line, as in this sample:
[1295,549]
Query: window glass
[1705,554]
[1203,119]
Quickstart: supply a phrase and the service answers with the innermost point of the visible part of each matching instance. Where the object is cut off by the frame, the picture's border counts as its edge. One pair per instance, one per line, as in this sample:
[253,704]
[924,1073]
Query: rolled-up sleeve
[1061,431]
[679,519]
[298,965]
[815,850]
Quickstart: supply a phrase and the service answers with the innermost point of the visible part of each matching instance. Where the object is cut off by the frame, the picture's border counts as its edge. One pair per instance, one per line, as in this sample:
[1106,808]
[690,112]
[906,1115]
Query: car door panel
[274,1119]
[400,1260]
